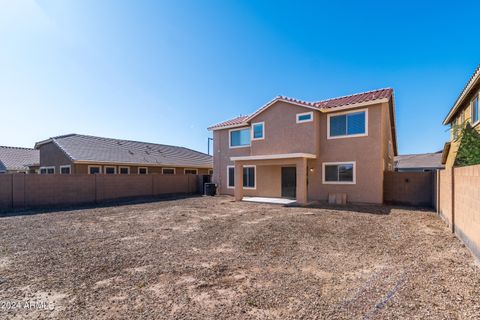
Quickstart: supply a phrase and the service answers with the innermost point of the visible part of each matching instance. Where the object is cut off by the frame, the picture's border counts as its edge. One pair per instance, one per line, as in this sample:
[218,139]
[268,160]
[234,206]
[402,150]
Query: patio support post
[302,181]
[238,181]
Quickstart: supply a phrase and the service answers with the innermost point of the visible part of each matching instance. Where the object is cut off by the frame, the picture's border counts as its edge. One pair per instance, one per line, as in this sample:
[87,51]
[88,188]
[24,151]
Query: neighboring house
[75,153]
[419,162]
[464,110]
[309,150]
[18,160]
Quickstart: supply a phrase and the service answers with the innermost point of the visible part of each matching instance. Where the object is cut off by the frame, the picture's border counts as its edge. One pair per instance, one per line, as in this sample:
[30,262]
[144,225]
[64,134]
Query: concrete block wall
[445,195]
[19,191]
[467,206]
[459,204]
[409,188]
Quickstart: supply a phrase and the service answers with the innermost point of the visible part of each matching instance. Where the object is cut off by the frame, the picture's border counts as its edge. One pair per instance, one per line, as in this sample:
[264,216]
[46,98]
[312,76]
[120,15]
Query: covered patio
[286,165]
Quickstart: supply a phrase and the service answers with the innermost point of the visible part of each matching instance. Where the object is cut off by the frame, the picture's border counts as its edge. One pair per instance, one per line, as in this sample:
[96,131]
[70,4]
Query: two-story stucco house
[464,110]
[308,150]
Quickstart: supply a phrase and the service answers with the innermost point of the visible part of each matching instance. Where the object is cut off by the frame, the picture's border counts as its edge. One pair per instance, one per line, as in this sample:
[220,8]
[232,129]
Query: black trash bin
[210,189]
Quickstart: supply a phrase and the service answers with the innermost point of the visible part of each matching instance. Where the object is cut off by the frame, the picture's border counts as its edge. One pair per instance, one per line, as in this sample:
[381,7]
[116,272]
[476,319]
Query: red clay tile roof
[231,122]
[355,98]
[320,105]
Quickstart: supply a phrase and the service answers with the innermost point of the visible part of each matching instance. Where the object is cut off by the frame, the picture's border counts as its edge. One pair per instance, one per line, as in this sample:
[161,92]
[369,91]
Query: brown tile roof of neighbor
[344,101]
[17,159]
[83,148]
[418,161]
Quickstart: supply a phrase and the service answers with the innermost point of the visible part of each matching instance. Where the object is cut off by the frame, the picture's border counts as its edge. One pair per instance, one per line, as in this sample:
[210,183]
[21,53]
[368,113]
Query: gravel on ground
[212,258]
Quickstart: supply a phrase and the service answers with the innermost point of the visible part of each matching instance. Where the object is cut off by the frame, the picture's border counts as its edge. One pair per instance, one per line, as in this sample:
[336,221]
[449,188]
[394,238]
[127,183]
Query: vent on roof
[147,152]
[130,151]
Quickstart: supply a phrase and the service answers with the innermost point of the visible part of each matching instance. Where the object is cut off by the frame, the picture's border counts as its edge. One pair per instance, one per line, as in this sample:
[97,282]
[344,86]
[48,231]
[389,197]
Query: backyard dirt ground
[211,258]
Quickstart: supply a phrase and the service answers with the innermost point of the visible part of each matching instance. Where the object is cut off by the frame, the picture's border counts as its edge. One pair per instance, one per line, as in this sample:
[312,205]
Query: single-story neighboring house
[77,154]
[18,160]
[419,162]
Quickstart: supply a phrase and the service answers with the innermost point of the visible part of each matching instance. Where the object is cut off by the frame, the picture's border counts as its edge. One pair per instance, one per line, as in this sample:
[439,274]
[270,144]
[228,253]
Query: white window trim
[138,170]
[66,166]
[471,107]
[174,170]
[244,188]
[304,114]
[230,138]
[263,131]
[120,168]
[46,168]
[106,167]
[99,172]
[347,135]
[185,170]
[354,163]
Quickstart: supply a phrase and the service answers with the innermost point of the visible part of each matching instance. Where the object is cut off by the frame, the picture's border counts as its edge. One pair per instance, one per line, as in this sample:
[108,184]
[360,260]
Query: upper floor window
[348,124]
[475,110]
[240,138]
[455,129]
[258,131]
[304,117]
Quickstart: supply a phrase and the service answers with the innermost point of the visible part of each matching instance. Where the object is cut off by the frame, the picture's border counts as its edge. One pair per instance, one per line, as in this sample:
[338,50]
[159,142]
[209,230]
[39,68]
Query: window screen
[348,124]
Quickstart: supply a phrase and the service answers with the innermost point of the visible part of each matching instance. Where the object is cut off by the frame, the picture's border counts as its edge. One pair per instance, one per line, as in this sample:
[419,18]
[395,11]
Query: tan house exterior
[82,154]
[464,110]
[289,133]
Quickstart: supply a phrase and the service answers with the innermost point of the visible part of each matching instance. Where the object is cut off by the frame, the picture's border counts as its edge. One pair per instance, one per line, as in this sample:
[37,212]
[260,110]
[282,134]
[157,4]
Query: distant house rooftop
[419,162]
[14,159]
[84,148]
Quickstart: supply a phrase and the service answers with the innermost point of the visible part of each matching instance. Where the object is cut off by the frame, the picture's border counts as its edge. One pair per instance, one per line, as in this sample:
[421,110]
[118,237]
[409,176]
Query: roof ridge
[354,94]
[19,148]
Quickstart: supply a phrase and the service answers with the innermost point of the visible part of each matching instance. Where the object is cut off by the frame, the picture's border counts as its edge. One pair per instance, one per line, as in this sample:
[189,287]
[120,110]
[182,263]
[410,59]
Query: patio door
[289,182]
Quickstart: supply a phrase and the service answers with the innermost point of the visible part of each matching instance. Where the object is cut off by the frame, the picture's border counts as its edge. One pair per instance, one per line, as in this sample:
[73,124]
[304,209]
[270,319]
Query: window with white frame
[110,170]
[347,124]
[305,117]
[339,173]
[47,170]
[142,170]
[475,116]
[65,169]
[239,138]
[190,171]
[258,131]
[124,170]
[168,170]
[94,169]
[248,177]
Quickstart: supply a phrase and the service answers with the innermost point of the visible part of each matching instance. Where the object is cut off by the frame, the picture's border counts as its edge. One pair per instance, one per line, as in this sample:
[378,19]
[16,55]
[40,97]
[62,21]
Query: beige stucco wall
[284,135]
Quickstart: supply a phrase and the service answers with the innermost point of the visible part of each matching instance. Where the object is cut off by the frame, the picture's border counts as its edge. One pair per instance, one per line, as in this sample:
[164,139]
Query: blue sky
[163,71]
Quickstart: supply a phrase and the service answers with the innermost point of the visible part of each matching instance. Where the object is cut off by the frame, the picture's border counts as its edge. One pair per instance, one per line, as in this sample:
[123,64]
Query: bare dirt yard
[211,258]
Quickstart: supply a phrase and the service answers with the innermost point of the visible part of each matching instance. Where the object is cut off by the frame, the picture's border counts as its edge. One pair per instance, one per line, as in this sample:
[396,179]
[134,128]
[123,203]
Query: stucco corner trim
[275,156]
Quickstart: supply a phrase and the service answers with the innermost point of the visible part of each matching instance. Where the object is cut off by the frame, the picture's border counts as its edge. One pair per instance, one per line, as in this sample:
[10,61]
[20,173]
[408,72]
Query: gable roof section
[17,159]
[91,149]
[417,161]
[350,101]
[473,80]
